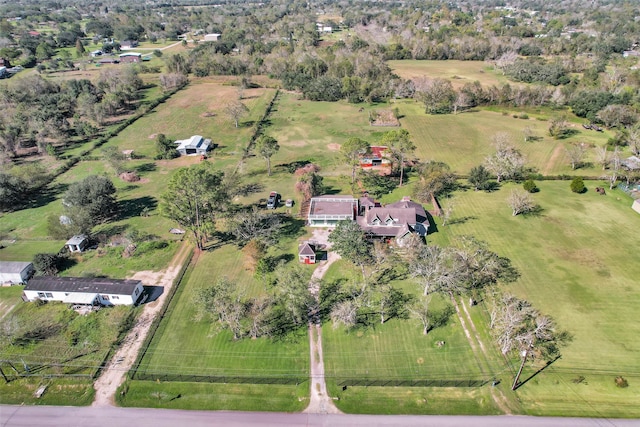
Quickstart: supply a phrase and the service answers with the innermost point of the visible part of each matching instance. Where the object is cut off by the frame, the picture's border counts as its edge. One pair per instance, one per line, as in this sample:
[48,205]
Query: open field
[576,268]
[458,72]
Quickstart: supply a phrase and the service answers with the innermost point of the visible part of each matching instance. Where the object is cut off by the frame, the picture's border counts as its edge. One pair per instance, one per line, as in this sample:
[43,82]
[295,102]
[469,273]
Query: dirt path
[114,372]
[319,402]
[552,161]
[465,318]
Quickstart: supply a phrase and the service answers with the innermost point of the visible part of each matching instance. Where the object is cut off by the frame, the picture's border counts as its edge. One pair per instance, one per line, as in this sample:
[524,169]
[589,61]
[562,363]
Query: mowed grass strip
[577,265]
[184,345]
[457,72]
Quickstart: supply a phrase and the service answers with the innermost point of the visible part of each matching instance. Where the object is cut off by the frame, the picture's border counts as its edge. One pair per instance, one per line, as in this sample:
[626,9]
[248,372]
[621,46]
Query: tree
[292,293]
[194,198]
[400,145]
[255,225]
[80,50]
[602,156]
[345,313]
[165,148]
[520,202]
[479,177]
[351,152]
[576,154]
[507,162]
[530,186]
[577,185]
[518,327]
[615,163]
[437,95]
[92,199]
[266,146]
[559,127]
[236,110]
[634,140]
[12,191]
[350,241]
[223,303]
[46,264]
[436,179]
[527,133]
[114,158]
[433,268]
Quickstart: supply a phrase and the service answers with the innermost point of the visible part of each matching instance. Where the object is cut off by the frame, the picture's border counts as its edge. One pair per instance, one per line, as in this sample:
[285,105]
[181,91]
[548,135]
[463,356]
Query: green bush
[530,186]
[577,185]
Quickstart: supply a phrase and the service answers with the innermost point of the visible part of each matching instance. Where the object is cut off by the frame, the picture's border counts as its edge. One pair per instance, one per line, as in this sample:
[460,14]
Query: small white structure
[84,290]
[193,146]
[636,205]
[327,211]
[129,44]
[96,53]
[78,243]
[15,272]
[3,71]
[213,37]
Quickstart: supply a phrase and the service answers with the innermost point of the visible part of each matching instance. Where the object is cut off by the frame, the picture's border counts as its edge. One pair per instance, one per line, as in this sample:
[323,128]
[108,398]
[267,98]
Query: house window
[137,291]
[66,294]
[40,294]
[115,297]
[105,297]
[49,295]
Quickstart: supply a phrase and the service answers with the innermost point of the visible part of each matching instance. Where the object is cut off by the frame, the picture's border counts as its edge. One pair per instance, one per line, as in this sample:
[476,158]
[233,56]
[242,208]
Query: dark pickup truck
[272,201]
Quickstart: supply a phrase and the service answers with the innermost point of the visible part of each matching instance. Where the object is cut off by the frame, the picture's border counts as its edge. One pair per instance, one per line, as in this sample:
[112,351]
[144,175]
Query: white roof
[130,54]
[196,141]
[13,266]
[77,239]
[79,298]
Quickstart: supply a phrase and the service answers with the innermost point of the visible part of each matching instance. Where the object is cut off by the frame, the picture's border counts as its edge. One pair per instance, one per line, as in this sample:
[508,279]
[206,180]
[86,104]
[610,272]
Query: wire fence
[414,382]
[222,379]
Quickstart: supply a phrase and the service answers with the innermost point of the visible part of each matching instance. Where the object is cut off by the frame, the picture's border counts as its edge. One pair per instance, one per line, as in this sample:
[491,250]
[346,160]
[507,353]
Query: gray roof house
[307,253]
[396,220]
[193,146]
[15,272]
[78,243]
[84,290]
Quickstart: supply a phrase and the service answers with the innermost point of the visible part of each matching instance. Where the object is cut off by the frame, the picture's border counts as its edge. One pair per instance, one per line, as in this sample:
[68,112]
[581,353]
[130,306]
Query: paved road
[59,416]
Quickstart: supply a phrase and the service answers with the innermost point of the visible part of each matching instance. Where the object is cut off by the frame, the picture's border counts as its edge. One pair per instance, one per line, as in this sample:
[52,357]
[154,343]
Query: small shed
[78,243]
[636,205]
[213,37]
[193,146]
[15,272]
[307,253]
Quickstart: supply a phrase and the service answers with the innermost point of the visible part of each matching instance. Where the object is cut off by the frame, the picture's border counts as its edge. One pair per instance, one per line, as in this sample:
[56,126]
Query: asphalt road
[65,416]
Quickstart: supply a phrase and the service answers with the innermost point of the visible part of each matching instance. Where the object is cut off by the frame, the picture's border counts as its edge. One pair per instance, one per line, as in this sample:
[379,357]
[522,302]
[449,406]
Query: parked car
[272,201]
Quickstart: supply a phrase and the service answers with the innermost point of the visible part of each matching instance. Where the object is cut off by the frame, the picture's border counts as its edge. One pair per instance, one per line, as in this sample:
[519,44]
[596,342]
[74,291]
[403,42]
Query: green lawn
[575,266]
[458,72]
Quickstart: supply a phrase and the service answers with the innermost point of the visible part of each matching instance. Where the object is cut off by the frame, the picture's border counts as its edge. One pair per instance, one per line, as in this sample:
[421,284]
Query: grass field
[576,267]
[458,72]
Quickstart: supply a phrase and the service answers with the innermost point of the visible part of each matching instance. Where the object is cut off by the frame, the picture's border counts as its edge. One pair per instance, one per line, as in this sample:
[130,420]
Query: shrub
[530,186]
[577,185]
[621,382]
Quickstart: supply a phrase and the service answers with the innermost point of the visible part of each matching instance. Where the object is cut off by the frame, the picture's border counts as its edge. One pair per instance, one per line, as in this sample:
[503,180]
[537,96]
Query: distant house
[15,272]
[96,53]
[4,62]
[636,205]
[213,37]
[77,243]
[84,290]
[628,53]
[108,61]
[327,211]
[307,253]
[129,44]
[130,57]
[193,146]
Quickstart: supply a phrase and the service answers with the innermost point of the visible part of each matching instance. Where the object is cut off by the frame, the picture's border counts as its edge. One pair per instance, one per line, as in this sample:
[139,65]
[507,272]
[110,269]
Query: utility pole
[525,354]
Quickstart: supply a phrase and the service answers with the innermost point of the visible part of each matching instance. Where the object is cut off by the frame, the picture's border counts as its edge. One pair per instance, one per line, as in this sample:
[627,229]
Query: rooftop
[82,284]
[333,205]
[13,266]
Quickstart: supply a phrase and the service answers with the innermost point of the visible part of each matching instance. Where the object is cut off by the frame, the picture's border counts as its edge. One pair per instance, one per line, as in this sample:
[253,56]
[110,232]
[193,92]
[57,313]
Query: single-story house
[130,57]
[3,71]
[96,53]
[194,145]
[636,205]
[15,272]
[128,44]
[84,290]
[327,211]
[396,220]
[77,243]
[213,37]
[109,60]
[307,253]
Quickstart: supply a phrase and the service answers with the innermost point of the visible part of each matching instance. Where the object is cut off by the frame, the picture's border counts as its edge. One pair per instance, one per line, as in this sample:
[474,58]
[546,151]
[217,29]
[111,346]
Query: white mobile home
[83,290]
[15,272]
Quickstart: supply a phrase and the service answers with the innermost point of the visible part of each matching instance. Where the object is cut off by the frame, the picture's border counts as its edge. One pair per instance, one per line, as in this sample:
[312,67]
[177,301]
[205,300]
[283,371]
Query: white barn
[636,205]
[15,272]
[83,290]
[192,146]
